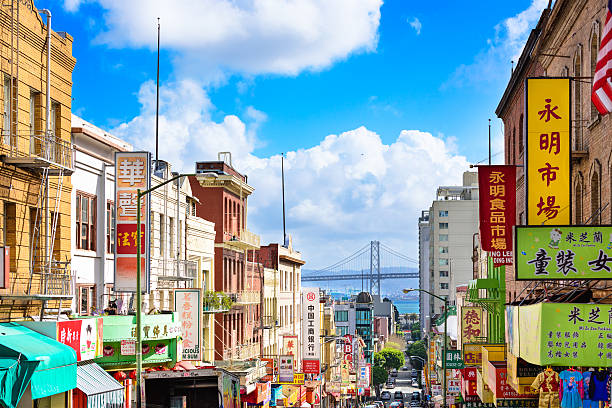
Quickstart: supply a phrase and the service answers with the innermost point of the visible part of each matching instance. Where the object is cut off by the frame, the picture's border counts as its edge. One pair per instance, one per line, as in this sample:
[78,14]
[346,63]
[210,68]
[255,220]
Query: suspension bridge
[373,262]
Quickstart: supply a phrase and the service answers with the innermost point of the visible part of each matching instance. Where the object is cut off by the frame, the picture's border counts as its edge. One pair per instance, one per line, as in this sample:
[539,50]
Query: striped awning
[102,390]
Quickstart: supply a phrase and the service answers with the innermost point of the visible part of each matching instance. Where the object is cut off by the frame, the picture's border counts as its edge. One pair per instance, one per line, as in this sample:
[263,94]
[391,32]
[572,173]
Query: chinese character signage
[83,335]
[453,359]
[311,343]
[548,151]
[563,252]
[188,305]
[132,173]
[563,334]
[472,354]
[285,369]
[471,324]
[497,206]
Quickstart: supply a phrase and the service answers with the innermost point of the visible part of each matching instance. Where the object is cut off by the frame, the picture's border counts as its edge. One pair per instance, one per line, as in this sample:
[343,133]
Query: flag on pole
[602,81]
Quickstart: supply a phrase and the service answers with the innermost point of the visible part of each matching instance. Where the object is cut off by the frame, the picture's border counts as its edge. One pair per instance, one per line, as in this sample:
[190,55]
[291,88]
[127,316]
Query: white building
[453,221]
[424,269]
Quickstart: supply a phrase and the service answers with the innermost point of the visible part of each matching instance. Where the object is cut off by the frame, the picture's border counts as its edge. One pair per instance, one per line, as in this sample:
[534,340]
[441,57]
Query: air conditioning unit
[5,267]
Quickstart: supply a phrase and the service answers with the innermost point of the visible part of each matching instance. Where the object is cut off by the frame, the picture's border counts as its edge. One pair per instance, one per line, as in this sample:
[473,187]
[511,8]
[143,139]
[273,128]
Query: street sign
[453,359]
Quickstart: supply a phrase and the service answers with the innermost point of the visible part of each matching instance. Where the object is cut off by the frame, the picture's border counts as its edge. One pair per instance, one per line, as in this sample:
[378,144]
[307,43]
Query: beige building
[38,159]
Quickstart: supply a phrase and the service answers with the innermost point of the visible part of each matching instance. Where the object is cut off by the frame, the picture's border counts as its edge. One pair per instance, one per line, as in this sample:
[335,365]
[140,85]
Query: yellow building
[37,161]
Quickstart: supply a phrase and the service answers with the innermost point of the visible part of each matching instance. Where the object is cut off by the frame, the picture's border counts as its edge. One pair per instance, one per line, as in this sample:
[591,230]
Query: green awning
[56,367]
[15,375]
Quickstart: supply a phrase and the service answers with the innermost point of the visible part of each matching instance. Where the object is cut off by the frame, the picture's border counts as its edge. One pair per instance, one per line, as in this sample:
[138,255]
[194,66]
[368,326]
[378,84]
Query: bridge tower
[375,267]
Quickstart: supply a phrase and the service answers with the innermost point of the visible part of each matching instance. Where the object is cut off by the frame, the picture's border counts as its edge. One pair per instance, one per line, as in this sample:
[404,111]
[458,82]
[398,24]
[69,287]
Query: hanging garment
[586,401]
[598,390]
[571,389]
[547,382]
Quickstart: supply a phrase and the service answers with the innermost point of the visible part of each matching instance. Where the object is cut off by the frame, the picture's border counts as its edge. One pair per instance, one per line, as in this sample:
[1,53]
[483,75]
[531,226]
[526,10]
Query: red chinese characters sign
[132,173]
[548,158]
[188,305]
[497,206]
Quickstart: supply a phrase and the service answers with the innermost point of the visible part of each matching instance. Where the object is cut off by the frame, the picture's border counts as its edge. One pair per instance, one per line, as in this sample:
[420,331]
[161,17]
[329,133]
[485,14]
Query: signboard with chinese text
[563,252]
[497,207]
[453,359]
[311,320]
[548,151]
[472,354]
[471,323]
[188,305]
[128,348]
[285,369]
[563,334]
[132,173]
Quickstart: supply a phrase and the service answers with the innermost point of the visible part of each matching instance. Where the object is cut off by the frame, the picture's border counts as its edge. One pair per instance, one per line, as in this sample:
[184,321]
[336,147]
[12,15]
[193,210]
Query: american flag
[602,81]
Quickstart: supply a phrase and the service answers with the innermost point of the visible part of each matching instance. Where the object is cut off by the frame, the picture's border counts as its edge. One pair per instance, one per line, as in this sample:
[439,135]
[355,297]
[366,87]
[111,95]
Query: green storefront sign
[561,334]
[563,252]
[161,341]
[453,359]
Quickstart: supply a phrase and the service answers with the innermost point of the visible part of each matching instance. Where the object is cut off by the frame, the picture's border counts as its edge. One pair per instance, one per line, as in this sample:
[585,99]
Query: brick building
[37,161]
[564,43]
[222,198]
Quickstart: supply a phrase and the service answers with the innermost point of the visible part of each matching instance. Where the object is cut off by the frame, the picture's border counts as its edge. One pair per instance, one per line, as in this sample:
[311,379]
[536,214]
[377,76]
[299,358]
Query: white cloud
[416,24]
[341,193]
[492,64]
[72,5]
[212,37]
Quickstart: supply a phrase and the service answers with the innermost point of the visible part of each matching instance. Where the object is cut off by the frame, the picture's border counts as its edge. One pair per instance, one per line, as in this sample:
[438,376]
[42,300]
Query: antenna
[157,105]
[283,190]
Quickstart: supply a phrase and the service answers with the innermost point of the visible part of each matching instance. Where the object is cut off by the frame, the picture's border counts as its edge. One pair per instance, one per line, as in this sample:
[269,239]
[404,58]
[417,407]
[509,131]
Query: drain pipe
[47,115]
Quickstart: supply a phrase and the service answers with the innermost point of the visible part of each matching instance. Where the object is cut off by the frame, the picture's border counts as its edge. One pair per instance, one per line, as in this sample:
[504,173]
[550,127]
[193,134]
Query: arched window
[512,146]
[578,100]
[594,50]
[578,200]
[595,198]
[520,140]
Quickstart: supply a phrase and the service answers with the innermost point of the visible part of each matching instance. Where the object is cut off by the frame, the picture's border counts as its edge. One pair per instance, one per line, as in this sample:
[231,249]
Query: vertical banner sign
[188,305]
[471,324]
[285,369]
[548,151]
[497,206]
[311,343]
[290,347]
[132,172]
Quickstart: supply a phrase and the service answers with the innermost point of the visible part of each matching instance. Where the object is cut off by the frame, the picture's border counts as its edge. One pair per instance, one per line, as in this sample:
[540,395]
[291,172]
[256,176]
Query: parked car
[385,396]
[405,368]
[416,396]
[415,384]
[414,403]
[390,384]
[394,372]
[398,395]
[379,404]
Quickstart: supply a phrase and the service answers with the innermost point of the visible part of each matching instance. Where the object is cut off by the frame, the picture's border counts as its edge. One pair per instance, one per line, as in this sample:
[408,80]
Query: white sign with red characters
[311,321]
[188,305]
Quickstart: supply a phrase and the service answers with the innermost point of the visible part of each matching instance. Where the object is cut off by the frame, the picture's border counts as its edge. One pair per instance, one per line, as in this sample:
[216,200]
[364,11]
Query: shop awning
[15,375]
[102,390]
[55,371]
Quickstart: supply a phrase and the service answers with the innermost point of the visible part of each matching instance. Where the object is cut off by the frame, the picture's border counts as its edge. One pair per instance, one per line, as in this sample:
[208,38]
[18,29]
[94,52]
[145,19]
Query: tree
[393,358]
[379,360]
[379,376]
[417,349]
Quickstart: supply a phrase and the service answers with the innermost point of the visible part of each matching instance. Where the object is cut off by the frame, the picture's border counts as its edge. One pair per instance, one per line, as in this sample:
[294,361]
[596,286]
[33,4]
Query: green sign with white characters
[563,252]
[562,334]
[454,360]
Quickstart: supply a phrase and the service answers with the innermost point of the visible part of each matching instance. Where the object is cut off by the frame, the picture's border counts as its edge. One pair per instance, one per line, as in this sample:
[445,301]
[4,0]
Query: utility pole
[283,191]
[489,141]
[157,104]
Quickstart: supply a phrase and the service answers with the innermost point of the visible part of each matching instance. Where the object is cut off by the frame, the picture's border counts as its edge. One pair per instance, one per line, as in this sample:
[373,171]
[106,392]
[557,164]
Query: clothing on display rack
[598,386]
[586,401]
[547,382]
[570,390]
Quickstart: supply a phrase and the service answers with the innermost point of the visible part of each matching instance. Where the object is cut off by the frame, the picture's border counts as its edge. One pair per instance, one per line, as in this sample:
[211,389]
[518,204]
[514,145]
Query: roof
[364,297]
[93,380]
[80,125]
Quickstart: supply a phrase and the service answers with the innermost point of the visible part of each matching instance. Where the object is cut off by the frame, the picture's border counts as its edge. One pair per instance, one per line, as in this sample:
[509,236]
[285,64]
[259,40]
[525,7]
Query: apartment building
[453,221]
[221,194]
[37,161]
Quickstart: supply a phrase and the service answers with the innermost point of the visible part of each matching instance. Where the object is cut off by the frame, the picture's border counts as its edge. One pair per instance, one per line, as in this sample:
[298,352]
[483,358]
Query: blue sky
[261,81]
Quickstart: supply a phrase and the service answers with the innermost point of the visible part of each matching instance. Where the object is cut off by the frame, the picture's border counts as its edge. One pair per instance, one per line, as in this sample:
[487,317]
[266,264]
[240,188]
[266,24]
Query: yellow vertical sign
[548,151]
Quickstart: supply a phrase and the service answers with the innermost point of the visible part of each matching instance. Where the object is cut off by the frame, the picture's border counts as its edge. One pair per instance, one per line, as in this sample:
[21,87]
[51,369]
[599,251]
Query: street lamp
[445,300]
[139,195]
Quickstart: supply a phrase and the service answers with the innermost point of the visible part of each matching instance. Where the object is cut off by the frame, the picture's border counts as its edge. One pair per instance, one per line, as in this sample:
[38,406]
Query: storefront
[35,368]
[187,388]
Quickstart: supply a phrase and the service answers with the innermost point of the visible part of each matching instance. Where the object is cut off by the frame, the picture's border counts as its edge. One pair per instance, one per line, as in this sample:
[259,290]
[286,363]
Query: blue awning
[55,370]
[102,390]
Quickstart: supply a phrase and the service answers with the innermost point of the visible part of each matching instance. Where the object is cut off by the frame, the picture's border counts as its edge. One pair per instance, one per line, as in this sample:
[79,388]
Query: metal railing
[173,269]
[216,302]
[38,145]
[247,297]
[250,238]
[54,280]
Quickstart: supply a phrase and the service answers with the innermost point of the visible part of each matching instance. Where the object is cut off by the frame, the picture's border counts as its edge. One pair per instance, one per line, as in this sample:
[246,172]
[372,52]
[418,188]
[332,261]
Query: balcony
[216,302]
[247,240]
[38,151]
[174,270]
[269,322]
[247,297]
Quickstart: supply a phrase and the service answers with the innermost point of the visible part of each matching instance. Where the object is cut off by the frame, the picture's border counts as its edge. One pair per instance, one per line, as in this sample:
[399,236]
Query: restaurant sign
[563,252]
[562,334]
[188,305]
[471,323]
[548,157]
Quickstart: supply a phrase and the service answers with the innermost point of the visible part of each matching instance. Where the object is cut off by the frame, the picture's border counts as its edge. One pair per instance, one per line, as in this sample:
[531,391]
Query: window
[342,330]
[444,274]
[520,137]
[87,299]
[443,225]
[443,285]
[444,250]
[34,125]
[162,234]
[443,237]
[578,200]
[443,213]
[342,315]
[594,51]
[443,262]
[595,201]
[86,221]
[577,108]
[110,227]
[171,235]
